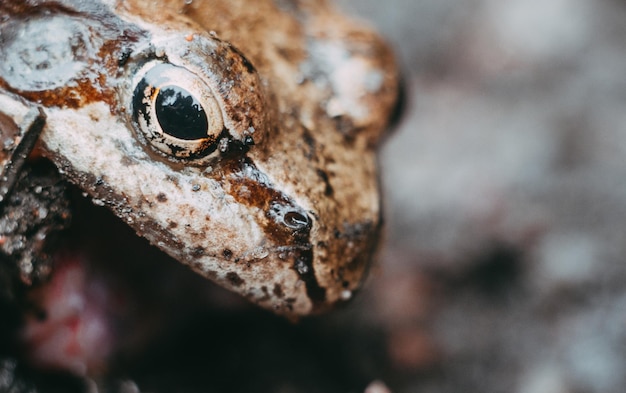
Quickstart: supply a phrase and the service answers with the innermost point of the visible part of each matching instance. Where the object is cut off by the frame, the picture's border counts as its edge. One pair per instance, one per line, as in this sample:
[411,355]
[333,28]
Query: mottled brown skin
[285,207]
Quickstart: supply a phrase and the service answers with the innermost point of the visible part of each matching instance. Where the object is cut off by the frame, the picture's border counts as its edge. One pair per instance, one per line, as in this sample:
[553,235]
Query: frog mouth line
[107,281]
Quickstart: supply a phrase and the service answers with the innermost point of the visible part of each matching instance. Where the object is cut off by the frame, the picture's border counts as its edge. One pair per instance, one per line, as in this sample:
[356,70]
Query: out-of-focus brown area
[503,266]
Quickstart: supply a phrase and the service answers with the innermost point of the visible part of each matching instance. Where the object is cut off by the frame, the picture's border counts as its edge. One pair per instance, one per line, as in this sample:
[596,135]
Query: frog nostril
[295,220]
[289,215]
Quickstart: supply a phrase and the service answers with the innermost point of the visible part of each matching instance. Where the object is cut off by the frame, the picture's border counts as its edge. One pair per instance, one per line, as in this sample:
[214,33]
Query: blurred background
[503,268]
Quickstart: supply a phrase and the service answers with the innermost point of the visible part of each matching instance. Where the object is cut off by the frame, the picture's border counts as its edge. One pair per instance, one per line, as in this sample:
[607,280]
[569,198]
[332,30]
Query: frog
[238,137]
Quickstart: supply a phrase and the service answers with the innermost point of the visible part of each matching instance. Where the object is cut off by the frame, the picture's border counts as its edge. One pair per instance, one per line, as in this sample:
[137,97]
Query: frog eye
[175,111]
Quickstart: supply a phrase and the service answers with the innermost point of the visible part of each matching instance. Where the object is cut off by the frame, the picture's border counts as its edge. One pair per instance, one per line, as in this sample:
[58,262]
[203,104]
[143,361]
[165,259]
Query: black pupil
[180,114]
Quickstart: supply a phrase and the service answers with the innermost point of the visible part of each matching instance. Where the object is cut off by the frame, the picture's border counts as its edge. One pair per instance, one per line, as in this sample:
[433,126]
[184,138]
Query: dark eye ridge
[180,114]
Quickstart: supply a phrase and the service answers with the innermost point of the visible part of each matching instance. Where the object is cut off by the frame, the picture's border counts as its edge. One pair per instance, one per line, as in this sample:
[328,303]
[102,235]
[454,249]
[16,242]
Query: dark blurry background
[503,269]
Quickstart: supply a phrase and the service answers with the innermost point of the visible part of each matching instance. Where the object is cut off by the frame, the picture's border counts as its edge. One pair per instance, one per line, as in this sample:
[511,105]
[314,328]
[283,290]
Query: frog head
[239,141]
